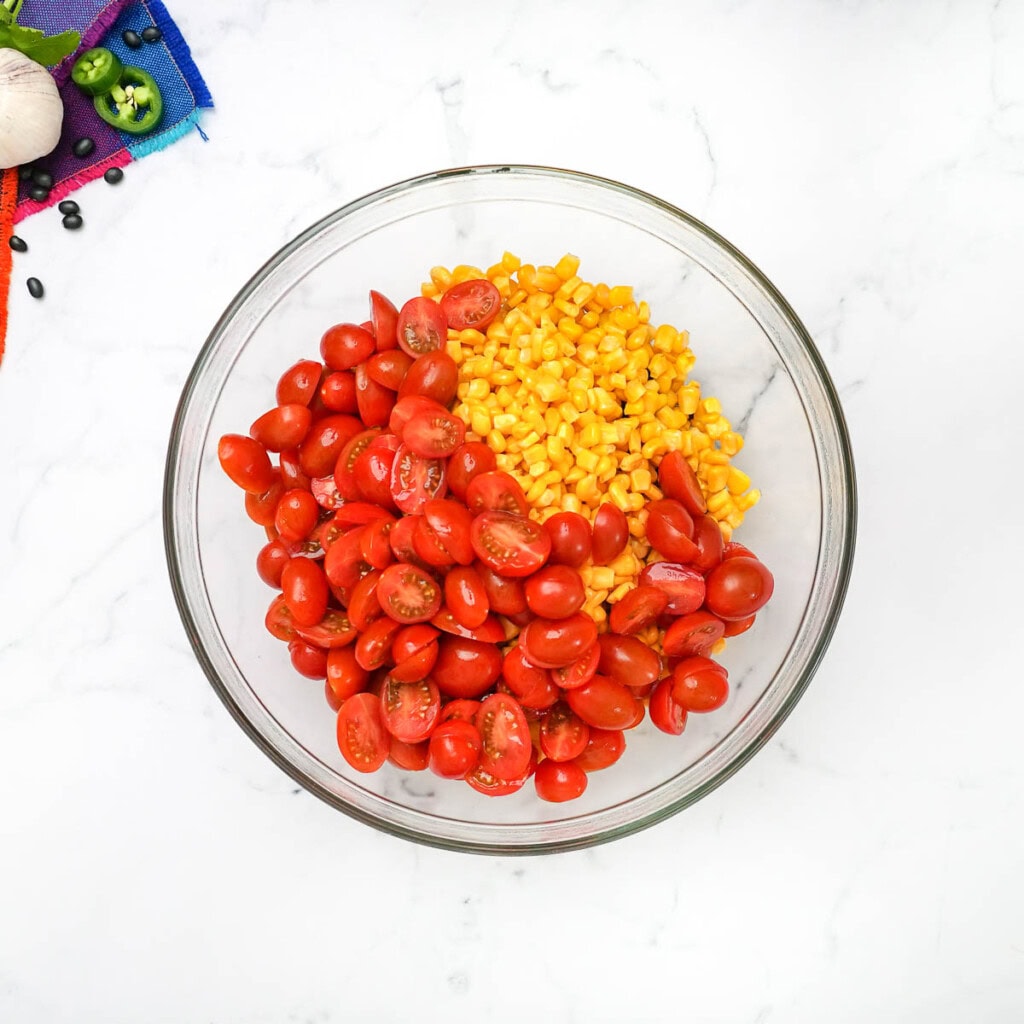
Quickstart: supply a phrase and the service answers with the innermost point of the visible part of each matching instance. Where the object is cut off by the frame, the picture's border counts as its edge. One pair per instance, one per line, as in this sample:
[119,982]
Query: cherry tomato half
[455,748]
[611,534]
[466,668]
[415,480]
[434,435]
[373,400]
[451,522]
[678,481]
[510,544]
[666,714]
[563,734]
[345,346]
[683,585]
[408,594]
[345,676]
[471,305]
[498,491]
[362,738]
[637,610]
[421,327]
[305,590]
[670,529]
[738,588]
[507,746]
[338,392]
[555,592]
[384,320]
[570,538]
[246,463]
[411,757]
[466,597]
[605,704]
[410,710]
[389,368]
[700,684]
[307,660]
[557,782]
[627,660]
[434,375]
[324,442]
[469,460]
[552,643]
[695,633]
[603,749]
[284,426]
[299,382]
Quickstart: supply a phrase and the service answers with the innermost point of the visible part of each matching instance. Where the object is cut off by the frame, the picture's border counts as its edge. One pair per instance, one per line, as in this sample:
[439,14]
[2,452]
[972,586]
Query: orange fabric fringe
[8,197]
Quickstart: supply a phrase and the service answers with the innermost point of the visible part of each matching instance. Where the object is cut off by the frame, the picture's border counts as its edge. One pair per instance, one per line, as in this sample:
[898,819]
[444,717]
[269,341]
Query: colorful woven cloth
[101,23]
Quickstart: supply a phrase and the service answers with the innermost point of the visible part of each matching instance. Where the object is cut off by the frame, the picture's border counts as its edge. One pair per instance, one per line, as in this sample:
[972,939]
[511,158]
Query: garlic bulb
[31,111]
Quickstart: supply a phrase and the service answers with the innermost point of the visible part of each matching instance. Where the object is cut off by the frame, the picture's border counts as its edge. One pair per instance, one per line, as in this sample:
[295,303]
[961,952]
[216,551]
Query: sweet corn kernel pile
[580,396]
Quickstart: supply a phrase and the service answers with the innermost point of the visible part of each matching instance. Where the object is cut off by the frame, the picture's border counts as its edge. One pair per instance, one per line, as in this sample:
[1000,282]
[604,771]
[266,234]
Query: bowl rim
[754,744]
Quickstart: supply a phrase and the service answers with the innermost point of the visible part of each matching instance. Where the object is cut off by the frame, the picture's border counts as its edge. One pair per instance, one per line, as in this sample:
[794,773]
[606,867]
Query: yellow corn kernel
[618,493]
[478,388]
[619,592]
[640,480]
[496,441]
[509,262]
[586,459]
[574,475]
[747,501]
[620,295]
[717,478]
[718,646]
[738,481]
[720,504]
[570,503]
[441,278]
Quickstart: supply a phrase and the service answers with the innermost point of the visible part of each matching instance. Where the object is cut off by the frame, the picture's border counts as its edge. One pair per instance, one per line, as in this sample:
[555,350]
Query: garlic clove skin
[31,111]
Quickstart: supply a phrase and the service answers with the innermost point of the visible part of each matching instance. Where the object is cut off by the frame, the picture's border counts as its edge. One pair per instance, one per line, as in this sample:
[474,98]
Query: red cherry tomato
[552,643]
[372,473]
[325,491]
[455,749]
[505,596]
[581,671]
[507,746]
[428,547]
[344,346]
[363,606]
[362,738]
[411,757]
[692,634]
[345,465]
[246,463]
[736,550]
[284,426]
[373,648]
[373,400]
[260,508]
[401,538]
[434,375]
[510,544]
[738,588]
[279,622]
[384,319]
[627,660]
[563,734]
[343,562]
[490,785]
[700,684]
[345,676]
[298,383]
[669,529]
[555,592]
[411,641]
[637,610]
[410,710]
[604,703]
[421,327]
[332,631]
[360,513]
[291,471]
[708,537]
[409,408]
[525,679]
[296,514]
[466,597]
[324,442]
[434,435]
[679,482]
[461,708]
[557,782]
[338,392]
[604,748]
[466,668]
[683,585]
[471,305]
[496,491]
[307,660]
[611,534]
[305,590]
[570,538]
[415,480]
[408,594]
[666,714]
[469,460]
[737,626]
[375,545]
[451,522]
[388,369]
[271,561]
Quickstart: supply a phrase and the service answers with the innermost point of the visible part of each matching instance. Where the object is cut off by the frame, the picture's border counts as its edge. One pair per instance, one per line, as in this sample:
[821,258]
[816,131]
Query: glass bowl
[752,353]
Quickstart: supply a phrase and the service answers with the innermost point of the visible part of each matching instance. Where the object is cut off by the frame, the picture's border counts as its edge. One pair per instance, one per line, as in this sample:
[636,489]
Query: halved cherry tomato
[271,561]
[307,660]
[412,757]
[669,529]
[401,538]
[409,407]
[734,549]
[557,781]
[360,513]
[510,544]
[679,482]
[738,588]
[410,710]
[490,785]
[604,703]
[389,368]
[415,480]
[373,400]
[581,671]
[363,606]
[637,610]
[692,634]
[700,684]
[552,643]
[434,375]
[737,626]
[627,660]
[375,545]
[421,327]
[299,382]
[345,676]
[434,435]
[462,708]
[332,631]
[246,463]
[296,514]
[466,668]
[278,620]
[408,594]
[373,648]
[531,684]
[305,590]
[707,535]
[563,734]
[666,714]
[338,392]
[571,538]
[343,562]
[455,748]
[506,737]
[284,426]
[428,547]
[471,305]
[611,534]
[414,646]
[384,319]
[344,346]
[261,508]
[451,522]
[466,597]
[371,471]
[325,491]
[555,592]
[329,531]
[496,491]
[469,460]
[505,596]
[291,471]
[604,748]
[683,584]
[324,442]
[362,738]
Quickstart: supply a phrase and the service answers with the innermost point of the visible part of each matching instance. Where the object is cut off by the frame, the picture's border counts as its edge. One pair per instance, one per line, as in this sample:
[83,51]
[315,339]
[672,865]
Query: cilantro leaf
[45,50]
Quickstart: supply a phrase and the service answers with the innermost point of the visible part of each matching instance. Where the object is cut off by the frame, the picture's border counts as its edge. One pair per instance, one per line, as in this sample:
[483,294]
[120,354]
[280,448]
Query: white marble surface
[866,866]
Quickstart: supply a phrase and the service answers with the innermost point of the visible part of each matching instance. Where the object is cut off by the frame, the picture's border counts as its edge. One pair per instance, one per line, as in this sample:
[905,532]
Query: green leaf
[45,50]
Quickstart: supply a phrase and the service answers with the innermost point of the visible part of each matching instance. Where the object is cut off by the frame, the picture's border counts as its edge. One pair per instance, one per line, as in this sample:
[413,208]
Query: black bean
[39,194]
[35,287]
[18,244]
[72,222]
[83,148]
[44,179]
[132,39]
[69,206]
[25,173]
[113,176]
[152,34]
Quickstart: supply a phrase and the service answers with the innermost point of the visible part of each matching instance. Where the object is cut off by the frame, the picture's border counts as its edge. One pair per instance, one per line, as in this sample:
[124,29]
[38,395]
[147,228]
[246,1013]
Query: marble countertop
[865,866]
